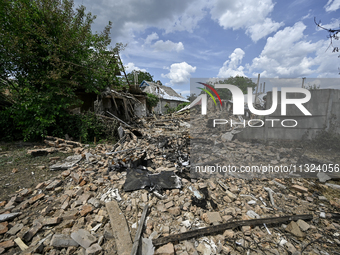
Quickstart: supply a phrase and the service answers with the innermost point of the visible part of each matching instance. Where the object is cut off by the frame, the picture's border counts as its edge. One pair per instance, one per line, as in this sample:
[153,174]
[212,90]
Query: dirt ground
[19,170]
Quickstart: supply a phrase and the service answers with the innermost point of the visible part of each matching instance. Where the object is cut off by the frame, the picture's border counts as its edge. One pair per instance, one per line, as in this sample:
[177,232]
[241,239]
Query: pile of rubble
[217,145]
[141,194]
[55,144]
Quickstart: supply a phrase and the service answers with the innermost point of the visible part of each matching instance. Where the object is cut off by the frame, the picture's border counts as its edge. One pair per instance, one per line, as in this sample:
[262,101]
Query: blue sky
[178,40]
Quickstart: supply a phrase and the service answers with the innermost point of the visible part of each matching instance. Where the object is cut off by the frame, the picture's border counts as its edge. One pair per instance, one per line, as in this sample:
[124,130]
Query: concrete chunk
[15,229]
[167,249]
[212,217]
[83,238]
[63,241]
[94,249]
[294,229]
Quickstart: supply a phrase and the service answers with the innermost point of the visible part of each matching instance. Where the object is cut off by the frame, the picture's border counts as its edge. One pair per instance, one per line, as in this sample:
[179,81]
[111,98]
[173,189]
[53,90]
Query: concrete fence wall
[324,106]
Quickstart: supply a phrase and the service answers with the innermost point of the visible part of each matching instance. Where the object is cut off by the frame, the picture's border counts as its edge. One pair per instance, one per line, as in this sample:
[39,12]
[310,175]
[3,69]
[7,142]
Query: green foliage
[169,109]
[182,105]
[312,87]
[87,126]
[242,82]
[47,53]
[151,100]
[142,76]
[192,97]
[175,109]
[8,131]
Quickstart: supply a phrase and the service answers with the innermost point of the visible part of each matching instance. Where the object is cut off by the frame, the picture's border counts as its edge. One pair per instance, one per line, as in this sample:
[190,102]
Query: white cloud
[332,5]
[334,24]
[131,66]
[130,16]
[247,14]
[232,66]
[260,30]
[168,46]
[288,54]
[151,37]
[242,13]
[180,73]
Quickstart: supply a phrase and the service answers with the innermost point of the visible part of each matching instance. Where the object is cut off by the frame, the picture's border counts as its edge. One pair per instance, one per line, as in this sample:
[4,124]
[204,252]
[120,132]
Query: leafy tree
[192,97]
[142,76]
[242,82]
[332,35]
[312,87]
[47,53]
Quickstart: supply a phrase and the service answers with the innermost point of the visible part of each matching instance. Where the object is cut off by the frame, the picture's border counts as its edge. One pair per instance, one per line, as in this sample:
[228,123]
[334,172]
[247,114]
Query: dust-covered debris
[67,214]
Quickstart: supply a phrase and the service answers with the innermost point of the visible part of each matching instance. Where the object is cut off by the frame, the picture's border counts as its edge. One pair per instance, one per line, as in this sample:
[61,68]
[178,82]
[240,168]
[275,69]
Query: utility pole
[264,87]
[303,82]
[257,87]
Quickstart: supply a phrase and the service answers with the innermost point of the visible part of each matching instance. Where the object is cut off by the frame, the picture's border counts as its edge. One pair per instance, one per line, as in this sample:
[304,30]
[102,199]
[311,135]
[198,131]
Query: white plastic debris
[95,228]
[253,214]
[264,203]
[186,223]
[322,215]
[267,229]
[196,192]
[147,246]
[283,242]
[110,195]
[134,225]
[251,202]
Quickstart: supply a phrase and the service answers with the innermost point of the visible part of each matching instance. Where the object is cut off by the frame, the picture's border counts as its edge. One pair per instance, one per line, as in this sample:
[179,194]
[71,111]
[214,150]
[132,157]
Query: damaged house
[168,98]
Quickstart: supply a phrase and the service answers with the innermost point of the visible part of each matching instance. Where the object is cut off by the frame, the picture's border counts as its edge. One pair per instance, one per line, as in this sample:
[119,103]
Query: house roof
[161,91]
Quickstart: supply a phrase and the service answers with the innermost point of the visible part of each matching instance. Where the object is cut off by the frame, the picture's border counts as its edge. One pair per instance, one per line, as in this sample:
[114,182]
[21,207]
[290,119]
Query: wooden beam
[119,120]
[126,110]
[120,228]
[139,231]
[215,229]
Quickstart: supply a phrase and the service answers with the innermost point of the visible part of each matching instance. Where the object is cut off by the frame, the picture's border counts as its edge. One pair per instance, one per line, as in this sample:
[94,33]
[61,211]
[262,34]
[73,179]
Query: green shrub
[8,131]
[182,105]
[151,100]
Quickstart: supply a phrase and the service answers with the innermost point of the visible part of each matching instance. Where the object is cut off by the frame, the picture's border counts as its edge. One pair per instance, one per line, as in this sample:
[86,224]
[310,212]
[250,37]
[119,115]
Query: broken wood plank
[139,231]
[114,101]
[21,244]
[229,225]
[119,119]
[126,110]
[120,228]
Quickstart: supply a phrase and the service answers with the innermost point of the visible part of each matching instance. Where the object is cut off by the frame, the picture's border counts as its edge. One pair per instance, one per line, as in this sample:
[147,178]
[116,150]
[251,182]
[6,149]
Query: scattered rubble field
[140,194]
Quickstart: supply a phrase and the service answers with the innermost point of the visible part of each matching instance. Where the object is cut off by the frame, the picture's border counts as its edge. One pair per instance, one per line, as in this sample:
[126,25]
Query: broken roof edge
[164,92]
